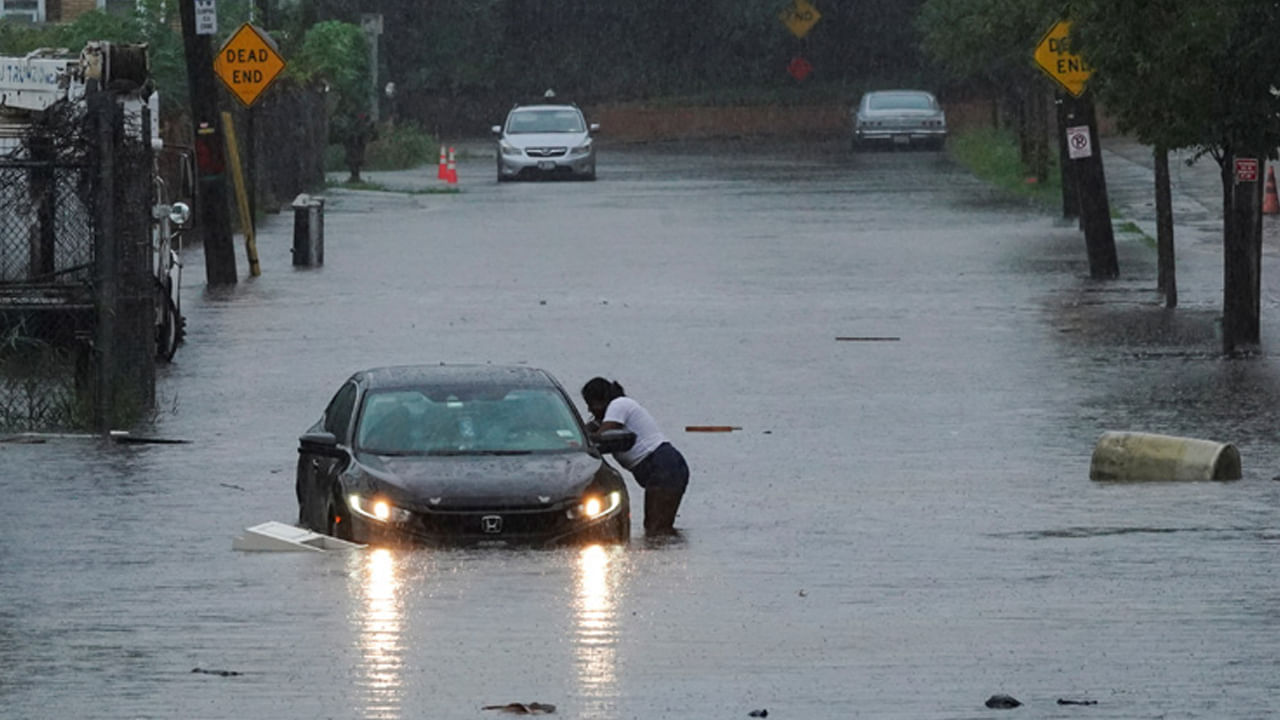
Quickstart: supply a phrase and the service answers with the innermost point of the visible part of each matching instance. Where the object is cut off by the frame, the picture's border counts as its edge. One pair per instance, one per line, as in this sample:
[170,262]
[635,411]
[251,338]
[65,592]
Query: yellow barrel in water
[1133,456]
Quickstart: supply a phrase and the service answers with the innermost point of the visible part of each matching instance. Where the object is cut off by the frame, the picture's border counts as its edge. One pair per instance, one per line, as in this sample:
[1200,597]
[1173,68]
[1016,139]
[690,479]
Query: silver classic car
[899,118]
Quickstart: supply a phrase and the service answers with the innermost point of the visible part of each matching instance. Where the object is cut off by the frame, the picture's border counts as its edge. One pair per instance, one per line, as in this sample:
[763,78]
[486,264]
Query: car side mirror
[614,441]
[496,129]
[320,443]
[594,127]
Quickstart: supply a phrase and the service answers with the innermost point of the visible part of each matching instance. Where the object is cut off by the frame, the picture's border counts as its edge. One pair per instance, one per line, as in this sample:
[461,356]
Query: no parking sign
[1078,143]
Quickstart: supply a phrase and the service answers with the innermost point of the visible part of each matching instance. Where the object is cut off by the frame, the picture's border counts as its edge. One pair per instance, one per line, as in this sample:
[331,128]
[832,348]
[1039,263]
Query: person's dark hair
[601,391]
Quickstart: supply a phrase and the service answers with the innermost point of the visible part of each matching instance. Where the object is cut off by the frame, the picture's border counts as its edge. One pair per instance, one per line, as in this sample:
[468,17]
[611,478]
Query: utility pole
[1091,187]
[213,217]
[1242,251]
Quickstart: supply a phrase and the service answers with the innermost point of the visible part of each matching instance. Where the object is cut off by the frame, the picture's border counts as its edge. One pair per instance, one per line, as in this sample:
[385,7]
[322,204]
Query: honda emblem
[491,524]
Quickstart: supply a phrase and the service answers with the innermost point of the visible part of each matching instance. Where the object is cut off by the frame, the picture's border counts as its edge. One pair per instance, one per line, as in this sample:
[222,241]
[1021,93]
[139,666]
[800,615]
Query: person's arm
[609,425]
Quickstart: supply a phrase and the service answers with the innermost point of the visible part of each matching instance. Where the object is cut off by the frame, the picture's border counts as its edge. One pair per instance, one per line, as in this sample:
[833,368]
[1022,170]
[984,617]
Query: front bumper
[567,164]
[517,527]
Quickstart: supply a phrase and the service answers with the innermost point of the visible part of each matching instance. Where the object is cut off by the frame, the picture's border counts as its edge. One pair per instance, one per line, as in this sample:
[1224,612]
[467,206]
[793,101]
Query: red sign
[1246,169]
[799,68]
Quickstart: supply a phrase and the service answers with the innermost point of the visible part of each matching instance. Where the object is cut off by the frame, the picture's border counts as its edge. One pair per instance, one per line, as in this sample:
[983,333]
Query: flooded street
[901,528]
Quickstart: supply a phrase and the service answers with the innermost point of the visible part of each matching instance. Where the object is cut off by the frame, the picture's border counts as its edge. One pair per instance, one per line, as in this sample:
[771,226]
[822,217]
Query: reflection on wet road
[900,530]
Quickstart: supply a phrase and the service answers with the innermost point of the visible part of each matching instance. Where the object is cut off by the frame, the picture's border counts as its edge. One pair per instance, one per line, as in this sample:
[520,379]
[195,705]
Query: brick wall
[71,9]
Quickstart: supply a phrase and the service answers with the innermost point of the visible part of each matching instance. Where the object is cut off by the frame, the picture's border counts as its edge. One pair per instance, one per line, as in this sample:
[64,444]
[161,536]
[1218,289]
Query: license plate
[902,139]
[546,165]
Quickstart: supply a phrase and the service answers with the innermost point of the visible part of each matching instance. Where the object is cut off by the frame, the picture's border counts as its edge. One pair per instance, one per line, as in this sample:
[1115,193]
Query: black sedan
[465,454]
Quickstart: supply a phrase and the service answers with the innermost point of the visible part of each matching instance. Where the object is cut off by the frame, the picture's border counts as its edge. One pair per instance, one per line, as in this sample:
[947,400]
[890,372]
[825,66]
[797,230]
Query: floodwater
[900,529]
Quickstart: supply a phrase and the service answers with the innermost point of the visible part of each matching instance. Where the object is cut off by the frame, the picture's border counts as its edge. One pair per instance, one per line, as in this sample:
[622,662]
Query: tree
[1185,73]
[989,43]
[336,54]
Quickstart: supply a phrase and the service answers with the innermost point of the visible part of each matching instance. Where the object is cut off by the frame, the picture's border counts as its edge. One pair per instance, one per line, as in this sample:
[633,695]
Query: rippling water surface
[900,529]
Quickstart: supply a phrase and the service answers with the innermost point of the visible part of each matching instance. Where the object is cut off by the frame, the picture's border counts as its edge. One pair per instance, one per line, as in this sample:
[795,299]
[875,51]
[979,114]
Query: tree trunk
[1167,281]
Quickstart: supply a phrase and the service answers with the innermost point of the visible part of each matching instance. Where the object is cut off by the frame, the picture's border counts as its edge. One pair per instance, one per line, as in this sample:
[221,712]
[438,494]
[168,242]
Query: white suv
[546,140]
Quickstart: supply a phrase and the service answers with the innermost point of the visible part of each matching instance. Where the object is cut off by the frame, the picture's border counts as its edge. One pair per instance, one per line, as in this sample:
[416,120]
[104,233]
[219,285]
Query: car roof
[544,106]
[459,374]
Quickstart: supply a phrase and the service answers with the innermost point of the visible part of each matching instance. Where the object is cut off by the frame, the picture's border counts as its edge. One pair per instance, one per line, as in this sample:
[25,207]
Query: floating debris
[866,338]
[758,713]
[220,673]
[516,708]
[1062,701]
[711,428]
[1003,702]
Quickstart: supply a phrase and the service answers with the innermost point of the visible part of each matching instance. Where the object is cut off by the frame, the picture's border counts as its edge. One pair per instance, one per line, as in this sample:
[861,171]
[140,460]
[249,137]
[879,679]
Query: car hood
[525,140]
[469,481]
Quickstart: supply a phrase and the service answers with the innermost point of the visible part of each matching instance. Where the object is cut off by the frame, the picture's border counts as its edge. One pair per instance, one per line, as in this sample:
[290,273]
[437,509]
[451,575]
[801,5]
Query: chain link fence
[75,259]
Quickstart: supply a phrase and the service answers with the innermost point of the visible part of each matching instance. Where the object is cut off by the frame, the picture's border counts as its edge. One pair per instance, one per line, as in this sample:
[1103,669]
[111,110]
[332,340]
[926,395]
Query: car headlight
[585,147]
[595,506]
[509,149]
[377,509]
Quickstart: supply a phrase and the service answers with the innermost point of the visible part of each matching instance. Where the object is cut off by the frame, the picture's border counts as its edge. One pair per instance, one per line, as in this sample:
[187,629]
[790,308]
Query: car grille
[497,524]
[545,151]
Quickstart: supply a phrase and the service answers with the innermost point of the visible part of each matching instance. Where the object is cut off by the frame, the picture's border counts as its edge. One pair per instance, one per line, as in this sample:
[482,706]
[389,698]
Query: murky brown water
[901,528]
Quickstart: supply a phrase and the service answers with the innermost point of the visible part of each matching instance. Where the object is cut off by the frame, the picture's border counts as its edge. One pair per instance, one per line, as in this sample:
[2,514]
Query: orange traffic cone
[1270,202]
[451,172]
[441,173]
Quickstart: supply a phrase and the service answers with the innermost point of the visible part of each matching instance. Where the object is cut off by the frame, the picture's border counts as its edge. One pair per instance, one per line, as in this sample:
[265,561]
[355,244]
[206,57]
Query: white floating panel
[280,537]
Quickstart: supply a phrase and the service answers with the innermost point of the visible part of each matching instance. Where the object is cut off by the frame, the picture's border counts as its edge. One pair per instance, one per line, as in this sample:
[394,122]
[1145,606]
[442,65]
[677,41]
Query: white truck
[34,83]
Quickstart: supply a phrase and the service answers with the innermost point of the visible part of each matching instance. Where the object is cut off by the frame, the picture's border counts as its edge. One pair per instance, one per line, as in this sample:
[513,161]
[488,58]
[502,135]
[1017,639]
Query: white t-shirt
[635,418]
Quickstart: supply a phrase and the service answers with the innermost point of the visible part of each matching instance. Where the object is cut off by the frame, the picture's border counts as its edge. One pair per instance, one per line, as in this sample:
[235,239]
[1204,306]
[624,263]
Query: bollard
[1147,456]
[308,230]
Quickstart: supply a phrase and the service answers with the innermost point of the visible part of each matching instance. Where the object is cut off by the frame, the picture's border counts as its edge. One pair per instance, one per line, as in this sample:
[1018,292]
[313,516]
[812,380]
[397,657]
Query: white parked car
[899,118]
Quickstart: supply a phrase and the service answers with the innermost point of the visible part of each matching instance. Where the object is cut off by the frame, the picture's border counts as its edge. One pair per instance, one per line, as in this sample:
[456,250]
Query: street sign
[247,63]
[206,17]
[1079,145]
[799,68]
[1054,56]
[1246,170]
[800,17]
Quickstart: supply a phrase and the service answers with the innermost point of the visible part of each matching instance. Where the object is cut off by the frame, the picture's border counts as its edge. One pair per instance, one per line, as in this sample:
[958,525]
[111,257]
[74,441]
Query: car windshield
[900,101]
[545,121]
[492,421]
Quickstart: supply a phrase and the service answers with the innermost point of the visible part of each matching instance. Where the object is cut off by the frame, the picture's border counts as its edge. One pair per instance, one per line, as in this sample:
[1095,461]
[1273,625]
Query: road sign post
[1078,121]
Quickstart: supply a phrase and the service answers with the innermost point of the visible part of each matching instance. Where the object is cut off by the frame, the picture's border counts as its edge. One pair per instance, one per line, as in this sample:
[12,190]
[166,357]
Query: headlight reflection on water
[380,625]
[595,608]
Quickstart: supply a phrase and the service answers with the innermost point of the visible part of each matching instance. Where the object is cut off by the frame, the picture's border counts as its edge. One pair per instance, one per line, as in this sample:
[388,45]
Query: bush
[396,148]
[992,155]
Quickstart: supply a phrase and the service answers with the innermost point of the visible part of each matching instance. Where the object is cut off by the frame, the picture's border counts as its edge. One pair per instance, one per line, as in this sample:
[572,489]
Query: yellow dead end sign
[800,17]
[247,63]
[1054,56]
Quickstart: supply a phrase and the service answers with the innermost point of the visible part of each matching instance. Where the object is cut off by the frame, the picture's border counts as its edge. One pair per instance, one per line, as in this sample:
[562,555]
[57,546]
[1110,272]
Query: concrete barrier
[1137,456]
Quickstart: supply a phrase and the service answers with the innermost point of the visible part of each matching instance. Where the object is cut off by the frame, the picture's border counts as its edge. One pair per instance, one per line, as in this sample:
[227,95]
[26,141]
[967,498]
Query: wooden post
[1242,249]
[214,219]
[242,196]
[102,111]
[1095,208]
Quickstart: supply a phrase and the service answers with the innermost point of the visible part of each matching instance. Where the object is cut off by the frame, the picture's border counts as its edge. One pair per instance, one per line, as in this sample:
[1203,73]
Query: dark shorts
[663,468]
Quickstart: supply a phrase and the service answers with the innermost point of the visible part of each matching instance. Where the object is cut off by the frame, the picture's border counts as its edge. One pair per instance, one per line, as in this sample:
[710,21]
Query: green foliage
[168,65]
[986,41]
[400,148]
[993,155]
[337,54]
[1185,73]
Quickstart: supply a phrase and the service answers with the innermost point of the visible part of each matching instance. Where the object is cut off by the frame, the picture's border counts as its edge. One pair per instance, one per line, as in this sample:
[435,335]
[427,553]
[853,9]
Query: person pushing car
[656,464]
